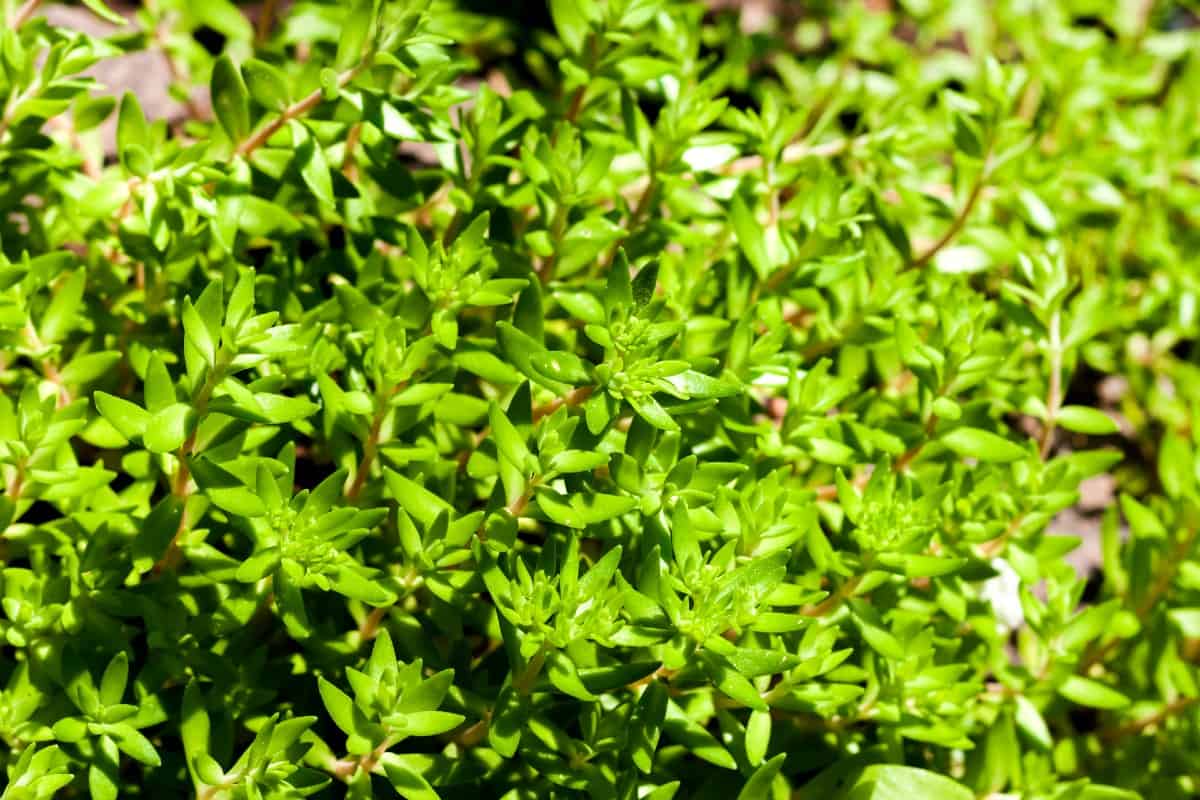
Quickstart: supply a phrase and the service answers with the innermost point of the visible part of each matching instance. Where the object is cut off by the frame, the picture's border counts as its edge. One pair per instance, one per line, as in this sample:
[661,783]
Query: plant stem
[181,487]
[1138,725]
[24,13]
[910,455]
[960,220]
[296,110]
[371,445]
[1054,393]
[576,104]
[266,20]
[993,547]
[524,682]
[834,601]
[345,768]
[349,166]
[558,228]
[371,623]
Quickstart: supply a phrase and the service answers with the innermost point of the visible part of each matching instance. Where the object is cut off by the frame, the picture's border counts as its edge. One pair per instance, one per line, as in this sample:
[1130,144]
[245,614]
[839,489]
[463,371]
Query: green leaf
[340,707]
[89,367]
[561,366]
[63,314]
[691,384]
[982,445]
[1087,692]
[758,736]
[508,720]
[196,331]
[509,442]
[70,729]
[91,112]
[571,22]
[102,782]
[116,675]
[698,741]
[760,782]
[354,32]
[430,723]
[968,138]
[880,640]
[750,237]
[230,99]
[646,724]
[1082,419]
[580,511]
[100,9]
[1175,466]
[194,726]
[922,566]
[133,744]
[1187,620]
[279,409]
[429,694]
[133,136]
[351,583]
[157,531]
[561,671]
[895,782]
[1037,213]
[605,679]
[208,770]
[519,348]
[420,394]
[1143,522]
[128,418]
[405,779]
[415,499]
[225,490]
[266,84]
[169,428]
[1031,722]
[730,681]
[314,169]
[291,602]
[643,285]
[648,409]
[259,565]
[576,461]
[137,160]
[599,577]
[618,291]
[259,217]
[288,732]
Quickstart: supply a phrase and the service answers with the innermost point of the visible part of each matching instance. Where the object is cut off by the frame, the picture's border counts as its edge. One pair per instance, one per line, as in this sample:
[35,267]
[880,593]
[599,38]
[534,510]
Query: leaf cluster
[602,399]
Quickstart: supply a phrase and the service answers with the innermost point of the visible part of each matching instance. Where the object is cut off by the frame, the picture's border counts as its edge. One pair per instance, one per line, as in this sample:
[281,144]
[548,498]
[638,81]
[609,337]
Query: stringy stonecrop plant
[686,417]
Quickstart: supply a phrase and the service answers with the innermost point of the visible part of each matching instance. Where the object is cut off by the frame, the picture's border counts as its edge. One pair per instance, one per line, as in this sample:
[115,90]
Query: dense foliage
[604,400]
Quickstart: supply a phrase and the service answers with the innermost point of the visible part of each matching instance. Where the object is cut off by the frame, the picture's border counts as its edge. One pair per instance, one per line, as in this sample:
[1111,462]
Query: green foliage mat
[603,401]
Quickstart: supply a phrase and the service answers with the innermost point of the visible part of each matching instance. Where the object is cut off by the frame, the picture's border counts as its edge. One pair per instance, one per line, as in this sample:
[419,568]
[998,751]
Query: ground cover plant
[604,399]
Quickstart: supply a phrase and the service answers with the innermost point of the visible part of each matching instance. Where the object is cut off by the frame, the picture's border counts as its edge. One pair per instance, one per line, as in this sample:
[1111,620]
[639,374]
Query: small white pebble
[1003,592]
